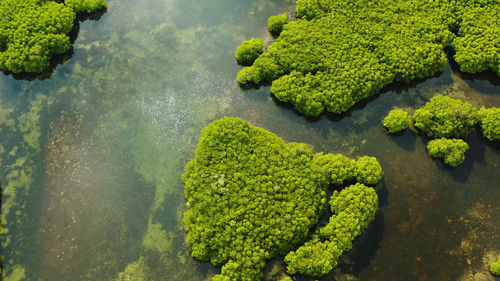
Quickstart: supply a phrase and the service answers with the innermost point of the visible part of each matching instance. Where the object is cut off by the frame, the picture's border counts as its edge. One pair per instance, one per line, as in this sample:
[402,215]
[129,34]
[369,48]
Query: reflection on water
[120,119]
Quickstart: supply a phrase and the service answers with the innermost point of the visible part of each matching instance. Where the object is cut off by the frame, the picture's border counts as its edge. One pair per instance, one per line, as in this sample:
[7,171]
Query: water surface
[95,154]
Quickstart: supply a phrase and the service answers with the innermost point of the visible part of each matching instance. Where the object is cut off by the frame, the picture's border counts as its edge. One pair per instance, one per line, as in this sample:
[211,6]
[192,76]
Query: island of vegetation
[32,31]
[251,197]
[340,52]
[451,150]
[275,23]
[397,120]
[447,122]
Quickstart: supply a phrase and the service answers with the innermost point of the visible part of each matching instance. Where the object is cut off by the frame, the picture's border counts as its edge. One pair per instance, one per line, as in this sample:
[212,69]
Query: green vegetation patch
[32,31]
[353,208]
[249,50]
[275,23]
[489,120]
[452,150]
[478,43]
[495,268]
[397,120]
[445,117]
[340,52]
[251,196]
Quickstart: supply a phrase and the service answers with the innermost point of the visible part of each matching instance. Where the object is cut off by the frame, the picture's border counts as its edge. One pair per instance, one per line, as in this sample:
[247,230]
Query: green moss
[444,117]
[452,150]
[249,50]
[32,31]
[275,23]
[251,196]
[495,268]
[489,120]
[397,120]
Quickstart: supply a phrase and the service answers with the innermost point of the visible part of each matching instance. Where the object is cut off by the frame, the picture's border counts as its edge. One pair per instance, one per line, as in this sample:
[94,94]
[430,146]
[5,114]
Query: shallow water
[105,139]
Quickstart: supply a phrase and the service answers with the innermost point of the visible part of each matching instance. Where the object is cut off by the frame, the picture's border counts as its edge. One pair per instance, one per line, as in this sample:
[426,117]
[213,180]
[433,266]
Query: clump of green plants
[495,268]
[476,45]
[249,50]
[341,52]
[397,120]
[276,23]
[451,150]
[445,117]
[251,196]
[489,120]
[32,31]
[353,208]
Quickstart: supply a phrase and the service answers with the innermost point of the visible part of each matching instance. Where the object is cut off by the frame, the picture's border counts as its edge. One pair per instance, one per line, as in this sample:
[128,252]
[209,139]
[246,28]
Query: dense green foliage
[452,150]
[353,208]
[445,117]
[397,120]
[251,196]
[489,120]
[32,31]
[495,267]
[341,52]
[478,43]
[249,50]
[275,23]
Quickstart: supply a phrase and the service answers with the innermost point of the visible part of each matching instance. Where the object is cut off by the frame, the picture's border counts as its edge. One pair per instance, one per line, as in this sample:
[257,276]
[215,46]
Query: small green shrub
[489,120]
[452,150]
[353,208]
[444,117]
[397,120]
[495,268]
[249,50]
[251,196]
[275,23]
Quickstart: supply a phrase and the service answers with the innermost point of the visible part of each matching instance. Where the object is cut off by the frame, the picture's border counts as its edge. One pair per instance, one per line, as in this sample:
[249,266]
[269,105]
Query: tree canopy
[275,23]
[451,150]
[340,52]
[445,117]
[489,120]
[32,31]
[249,50]
[251,196]
[397,120]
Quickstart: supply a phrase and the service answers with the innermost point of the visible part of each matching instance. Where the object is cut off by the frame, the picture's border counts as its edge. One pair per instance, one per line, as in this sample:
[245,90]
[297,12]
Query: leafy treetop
[489,119]
[452,150]
[32,31]
[445,117]
[251,196]
[397,120]
[249,50]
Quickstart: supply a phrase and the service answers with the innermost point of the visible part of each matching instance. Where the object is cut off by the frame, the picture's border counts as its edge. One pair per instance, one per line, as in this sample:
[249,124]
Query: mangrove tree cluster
[445,117]
[249,50]
[340,52]
[397,120]
[251,197]
[447,121]
[32,31]
[451,150]
[353,209]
